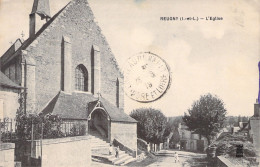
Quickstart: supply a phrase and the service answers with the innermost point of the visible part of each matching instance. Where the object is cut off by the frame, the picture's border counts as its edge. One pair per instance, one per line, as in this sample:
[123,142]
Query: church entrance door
[99,123]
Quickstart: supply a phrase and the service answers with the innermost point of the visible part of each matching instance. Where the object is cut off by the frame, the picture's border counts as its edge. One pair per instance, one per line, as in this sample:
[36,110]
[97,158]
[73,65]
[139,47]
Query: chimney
[39,16]
[257,109]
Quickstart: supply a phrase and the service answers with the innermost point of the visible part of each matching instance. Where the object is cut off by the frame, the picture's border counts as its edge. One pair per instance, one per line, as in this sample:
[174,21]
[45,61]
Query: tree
[239,119]
[172,124]
[206,116]
[175,138]
[232,121]
[151,124]
[244,119]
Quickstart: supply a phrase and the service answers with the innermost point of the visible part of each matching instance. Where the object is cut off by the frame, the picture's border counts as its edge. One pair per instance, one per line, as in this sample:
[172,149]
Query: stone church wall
[76,24]
[125,133]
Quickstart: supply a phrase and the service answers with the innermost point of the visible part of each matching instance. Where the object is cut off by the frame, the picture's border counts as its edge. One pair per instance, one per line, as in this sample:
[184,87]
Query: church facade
[67,68]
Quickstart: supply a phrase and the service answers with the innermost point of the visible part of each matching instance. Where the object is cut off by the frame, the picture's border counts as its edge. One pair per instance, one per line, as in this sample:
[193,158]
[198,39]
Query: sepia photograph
[129,83]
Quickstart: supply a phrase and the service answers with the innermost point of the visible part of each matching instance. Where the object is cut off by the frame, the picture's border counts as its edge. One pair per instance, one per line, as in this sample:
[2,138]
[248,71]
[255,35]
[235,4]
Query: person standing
[117,152]
[176,157]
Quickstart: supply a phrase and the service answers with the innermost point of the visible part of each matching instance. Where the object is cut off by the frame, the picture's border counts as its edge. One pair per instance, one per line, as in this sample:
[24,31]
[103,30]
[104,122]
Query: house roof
[115,113]
[79,105]
[5,81]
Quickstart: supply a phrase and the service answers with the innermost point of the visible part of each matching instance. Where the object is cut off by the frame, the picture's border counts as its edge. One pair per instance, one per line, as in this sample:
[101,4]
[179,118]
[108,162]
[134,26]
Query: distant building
[254,126]
[191,141]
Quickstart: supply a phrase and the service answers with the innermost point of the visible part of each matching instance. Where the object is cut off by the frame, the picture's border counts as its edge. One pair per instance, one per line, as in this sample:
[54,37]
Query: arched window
[81,78]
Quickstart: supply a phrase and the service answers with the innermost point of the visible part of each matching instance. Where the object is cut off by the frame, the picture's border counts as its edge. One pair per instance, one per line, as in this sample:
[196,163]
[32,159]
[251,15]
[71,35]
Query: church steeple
[39,16]
[41,7]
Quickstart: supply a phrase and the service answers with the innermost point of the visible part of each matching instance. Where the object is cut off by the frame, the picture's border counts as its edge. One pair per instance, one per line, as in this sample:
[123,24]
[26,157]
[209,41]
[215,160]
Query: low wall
[7,154]
[63,152]
[142,145]
[126,133]
[125,148]
[224,162]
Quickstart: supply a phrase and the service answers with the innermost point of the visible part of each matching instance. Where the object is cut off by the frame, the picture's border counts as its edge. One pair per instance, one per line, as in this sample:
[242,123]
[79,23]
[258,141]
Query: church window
[81,78]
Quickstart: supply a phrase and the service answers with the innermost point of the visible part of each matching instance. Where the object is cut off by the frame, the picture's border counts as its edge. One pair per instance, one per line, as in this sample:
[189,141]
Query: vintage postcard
[129,83]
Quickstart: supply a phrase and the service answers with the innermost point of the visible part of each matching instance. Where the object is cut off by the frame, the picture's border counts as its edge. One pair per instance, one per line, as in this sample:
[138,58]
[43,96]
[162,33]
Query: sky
[218,57]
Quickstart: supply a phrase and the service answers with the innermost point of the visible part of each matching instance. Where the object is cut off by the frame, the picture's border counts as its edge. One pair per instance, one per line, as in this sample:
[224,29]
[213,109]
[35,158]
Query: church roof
[41,7]
[6,57]
[115,113]
[79,105]
[5,81]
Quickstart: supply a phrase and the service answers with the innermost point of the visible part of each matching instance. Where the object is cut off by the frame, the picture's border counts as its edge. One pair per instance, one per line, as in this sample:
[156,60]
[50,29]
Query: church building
[66,68]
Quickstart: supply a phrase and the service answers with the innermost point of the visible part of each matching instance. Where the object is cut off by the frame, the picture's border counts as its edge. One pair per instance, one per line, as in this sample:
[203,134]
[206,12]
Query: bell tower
[39,16]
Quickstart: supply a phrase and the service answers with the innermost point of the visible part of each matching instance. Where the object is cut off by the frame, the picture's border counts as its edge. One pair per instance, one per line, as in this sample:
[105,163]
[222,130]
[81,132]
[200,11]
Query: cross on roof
[22,34]
[99,95]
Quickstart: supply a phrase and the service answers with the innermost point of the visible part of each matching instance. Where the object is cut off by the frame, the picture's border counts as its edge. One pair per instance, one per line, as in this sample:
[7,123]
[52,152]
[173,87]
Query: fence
[57,130]
[73,128]
[7,130]
[45,130]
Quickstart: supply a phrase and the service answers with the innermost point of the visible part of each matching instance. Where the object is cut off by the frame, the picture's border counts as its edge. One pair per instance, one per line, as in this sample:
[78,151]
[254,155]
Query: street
[186,159]
[166,158]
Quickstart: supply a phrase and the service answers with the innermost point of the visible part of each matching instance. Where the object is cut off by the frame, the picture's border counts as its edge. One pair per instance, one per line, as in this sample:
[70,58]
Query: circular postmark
[147,77]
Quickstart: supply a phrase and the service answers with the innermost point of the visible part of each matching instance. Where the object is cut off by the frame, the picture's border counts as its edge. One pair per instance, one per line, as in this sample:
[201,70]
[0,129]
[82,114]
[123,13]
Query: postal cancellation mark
[147,77]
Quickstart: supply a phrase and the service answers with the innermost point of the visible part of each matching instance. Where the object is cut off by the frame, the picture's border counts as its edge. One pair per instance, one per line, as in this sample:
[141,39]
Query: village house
[9,98]
[67,69]
[191,141]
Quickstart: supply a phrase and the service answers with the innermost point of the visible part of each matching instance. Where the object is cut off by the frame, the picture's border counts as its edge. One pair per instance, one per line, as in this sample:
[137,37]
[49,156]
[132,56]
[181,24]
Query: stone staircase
[100,149]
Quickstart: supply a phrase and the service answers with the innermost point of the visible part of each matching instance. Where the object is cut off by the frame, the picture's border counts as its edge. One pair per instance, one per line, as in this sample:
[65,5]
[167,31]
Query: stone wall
[7,154]
[224,162]
[71,151]
[125,133]
[75,22]
[143,145]
[255,133]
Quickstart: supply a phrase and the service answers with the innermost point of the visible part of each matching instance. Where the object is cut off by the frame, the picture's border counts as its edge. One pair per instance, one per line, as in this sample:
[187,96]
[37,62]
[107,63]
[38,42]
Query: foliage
[206,116]
[175,138]
[49,125]
[172,124]
[78,129]
[226,145]
[151,124]
[32,124]
[82,129]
